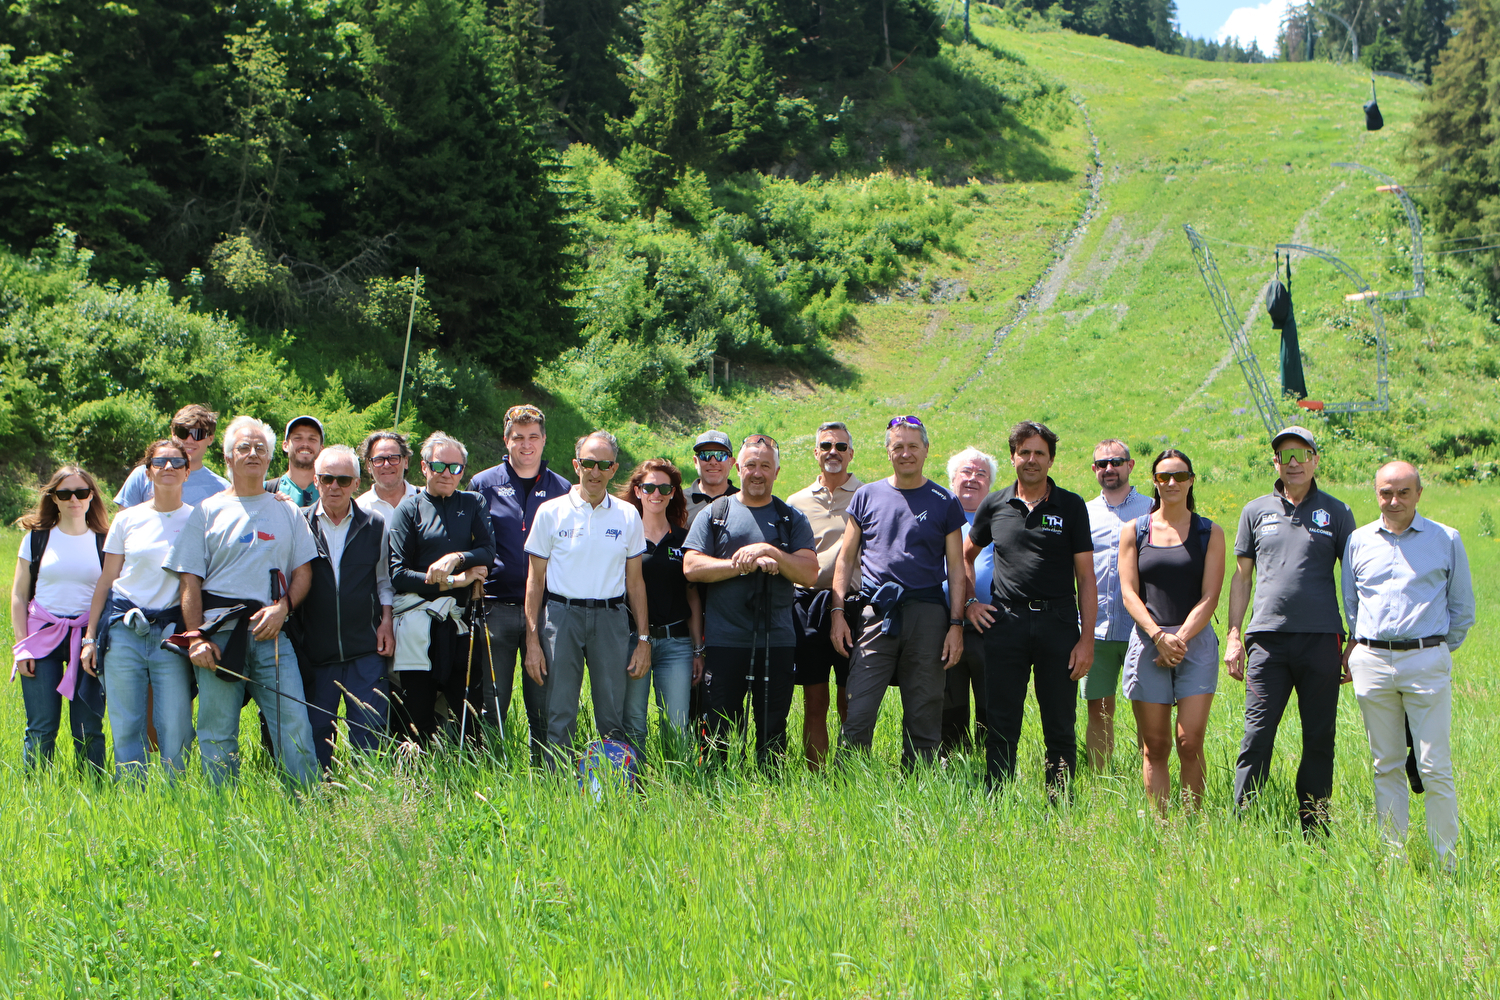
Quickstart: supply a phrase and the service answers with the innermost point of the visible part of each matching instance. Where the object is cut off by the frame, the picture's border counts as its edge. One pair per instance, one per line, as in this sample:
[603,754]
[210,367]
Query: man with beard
[750,550]
[303,443]
[824,503]
[193,429]
[1117,503]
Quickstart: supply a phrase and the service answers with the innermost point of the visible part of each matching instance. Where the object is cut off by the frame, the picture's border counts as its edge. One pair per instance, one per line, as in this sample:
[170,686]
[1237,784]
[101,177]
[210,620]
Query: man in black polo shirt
[714,459]
[1291,537]
[1042,546]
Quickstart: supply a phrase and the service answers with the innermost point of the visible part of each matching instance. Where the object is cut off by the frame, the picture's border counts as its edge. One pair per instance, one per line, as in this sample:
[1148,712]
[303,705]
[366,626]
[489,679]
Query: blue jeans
[136,664]
[220,701]
[672,671]
[361,679]
[44,714]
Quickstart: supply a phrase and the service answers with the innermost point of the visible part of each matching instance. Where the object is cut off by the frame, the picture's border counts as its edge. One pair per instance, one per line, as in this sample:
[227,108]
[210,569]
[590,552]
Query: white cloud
[1261,23]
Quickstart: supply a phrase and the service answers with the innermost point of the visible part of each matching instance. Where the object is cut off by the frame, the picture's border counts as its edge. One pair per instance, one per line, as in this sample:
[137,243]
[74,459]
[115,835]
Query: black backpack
[719,517]
[39,539]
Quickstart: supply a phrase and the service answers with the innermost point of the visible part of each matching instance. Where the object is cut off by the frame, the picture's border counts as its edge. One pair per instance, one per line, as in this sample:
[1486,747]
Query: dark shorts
[816,657]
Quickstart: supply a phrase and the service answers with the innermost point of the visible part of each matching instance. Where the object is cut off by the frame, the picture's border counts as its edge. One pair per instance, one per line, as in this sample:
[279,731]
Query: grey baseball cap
[304,419]
[1296,431]
[718,438]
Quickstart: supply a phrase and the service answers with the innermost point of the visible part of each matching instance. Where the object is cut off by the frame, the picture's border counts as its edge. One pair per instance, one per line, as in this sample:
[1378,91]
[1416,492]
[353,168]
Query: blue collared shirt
[1408,586]
[1113,623]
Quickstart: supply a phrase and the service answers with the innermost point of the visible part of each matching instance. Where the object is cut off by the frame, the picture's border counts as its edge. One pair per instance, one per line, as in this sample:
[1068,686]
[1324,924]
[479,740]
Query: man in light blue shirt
[1118,503]
[971,475]
[1409,602]
[193,429]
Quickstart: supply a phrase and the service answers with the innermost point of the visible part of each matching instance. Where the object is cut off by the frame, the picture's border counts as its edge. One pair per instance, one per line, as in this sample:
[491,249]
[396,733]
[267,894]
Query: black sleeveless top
[1172,575]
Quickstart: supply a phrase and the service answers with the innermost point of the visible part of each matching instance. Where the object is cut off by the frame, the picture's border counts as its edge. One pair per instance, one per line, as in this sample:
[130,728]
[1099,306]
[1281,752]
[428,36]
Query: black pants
[416,712]
[1279,663]
[730,674]
[1021,645]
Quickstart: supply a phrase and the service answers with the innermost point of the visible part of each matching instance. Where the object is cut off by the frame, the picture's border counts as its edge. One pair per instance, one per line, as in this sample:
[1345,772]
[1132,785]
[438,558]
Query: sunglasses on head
[833,445]
[665,489]
[1109,463]
[1172,477]
[602,464]
[165,461]
[385,460]
[81,494]
[327,480]
[909,421]
[438,468]
[762,439]
[1286,456]
[195,433]
[523,410]
[713,455]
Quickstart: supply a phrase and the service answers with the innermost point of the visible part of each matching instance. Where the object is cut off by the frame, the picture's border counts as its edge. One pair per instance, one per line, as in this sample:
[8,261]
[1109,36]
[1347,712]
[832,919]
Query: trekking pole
[219,668]
[464,707]
[276,593]
[489,655]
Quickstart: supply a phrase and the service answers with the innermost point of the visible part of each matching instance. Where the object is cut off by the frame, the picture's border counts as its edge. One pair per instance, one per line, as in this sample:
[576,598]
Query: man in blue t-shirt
[901,529]
[193,428]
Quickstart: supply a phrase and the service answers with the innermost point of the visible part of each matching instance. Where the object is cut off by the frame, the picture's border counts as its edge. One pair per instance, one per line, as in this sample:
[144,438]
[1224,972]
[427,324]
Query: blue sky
[1217,18]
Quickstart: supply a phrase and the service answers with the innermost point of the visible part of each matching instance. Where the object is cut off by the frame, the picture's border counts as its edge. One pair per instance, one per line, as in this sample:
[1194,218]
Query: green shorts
[1103,679]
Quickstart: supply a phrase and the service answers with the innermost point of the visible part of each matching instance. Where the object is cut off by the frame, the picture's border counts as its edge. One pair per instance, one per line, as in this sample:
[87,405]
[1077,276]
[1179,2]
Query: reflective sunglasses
[1286,456]
[523,410]
[832,445]
[665,489]
[196,433]
[246,447]
[713,455]
[438,468]
[327,480]
[603,464]
[907,420]
[164,461]
[82,494]
[1172,477]
[386,460]
[1109,463]
[759,439]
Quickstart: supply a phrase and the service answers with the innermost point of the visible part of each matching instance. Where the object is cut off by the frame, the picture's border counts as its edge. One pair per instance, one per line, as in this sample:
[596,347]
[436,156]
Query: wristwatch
[955,621]
[644,638]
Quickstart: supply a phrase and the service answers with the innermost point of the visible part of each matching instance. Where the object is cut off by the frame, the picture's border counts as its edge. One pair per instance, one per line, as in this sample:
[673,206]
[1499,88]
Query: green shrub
[108,436]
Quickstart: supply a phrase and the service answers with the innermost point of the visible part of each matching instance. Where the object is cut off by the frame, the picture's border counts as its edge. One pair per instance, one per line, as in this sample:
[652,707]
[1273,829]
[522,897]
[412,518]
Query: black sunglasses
[82,494]
[328,480]
[196,433]
[603,464]
[665,489]
[831,445]
[1172,477]
[163,461]
[457,468]
[1109,463]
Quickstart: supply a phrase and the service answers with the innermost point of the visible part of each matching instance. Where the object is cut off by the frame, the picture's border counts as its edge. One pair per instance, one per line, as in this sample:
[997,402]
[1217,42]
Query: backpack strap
[39,539]
[783,523]
[718,517]
[99,547]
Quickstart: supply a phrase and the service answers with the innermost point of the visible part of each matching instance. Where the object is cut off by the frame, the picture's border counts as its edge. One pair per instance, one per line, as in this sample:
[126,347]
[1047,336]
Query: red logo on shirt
[265,536]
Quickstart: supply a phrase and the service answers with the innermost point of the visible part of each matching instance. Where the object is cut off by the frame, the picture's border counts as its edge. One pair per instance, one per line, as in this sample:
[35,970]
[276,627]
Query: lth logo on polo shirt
[1052,522]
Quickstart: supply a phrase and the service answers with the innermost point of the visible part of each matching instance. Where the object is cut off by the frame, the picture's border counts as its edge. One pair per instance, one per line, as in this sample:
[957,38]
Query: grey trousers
[571,638]
[915,659]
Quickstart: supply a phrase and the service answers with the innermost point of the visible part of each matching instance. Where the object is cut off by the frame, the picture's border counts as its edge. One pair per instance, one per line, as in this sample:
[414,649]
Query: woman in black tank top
[1171,572]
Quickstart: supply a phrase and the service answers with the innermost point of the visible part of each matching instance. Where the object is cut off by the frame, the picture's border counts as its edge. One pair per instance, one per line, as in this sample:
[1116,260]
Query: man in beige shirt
[824,502]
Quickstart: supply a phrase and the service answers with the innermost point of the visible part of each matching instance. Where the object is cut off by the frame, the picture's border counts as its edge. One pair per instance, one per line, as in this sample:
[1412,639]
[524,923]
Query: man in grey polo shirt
[1117,503]
[1409,603]
[1291,539]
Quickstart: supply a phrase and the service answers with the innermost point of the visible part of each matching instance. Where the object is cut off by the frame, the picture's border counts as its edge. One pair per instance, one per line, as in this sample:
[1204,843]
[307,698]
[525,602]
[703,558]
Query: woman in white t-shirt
[135,604]
[51,613]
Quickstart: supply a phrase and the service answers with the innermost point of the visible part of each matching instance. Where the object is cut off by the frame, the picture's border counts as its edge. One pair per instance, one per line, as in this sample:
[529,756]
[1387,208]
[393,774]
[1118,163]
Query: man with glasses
[713,458]
[750,550]
[584,552]
[1116,503]
[513,491]
[905,535]
[1037,622]
[971,476]
[244,547]
[193,428]
[824,503]
[440,545]
[1290,538]
[388,456]
[302,444]
[345,623]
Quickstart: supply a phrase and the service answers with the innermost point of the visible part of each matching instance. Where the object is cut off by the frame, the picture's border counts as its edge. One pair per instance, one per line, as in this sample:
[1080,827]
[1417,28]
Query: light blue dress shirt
[984,565]
[1113,623]
[1408,586]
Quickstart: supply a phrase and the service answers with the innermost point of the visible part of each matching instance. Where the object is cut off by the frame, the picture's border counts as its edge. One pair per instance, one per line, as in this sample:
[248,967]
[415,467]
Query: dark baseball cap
[1295,431]
[717,439]
[296,422]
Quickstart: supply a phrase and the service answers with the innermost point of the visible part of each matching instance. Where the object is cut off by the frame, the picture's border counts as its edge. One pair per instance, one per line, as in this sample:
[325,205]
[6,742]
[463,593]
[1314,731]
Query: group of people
[412,605]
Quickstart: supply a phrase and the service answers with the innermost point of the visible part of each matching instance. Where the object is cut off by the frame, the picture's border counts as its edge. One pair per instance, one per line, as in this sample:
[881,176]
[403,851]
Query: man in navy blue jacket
[513,490]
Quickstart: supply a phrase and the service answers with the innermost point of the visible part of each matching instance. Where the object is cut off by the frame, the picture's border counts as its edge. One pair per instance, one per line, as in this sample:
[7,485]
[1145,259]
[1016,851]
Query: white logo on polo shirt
[921,515]
[1320,518]
[506,491]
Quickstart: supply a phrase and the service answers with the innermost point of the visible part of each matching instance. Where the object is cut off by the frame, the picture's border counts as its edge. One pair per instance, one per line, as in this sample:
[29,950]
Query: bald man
[1409,603]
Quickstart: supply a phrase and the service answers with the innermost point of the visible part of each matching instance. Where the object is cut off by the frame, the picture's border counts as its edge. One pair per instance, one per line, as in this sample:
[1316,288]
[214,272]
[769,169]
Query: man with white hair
[440,544]
[345,625]
[971,476]
[750,550]
[246,547]
[584,552]
[1410,603]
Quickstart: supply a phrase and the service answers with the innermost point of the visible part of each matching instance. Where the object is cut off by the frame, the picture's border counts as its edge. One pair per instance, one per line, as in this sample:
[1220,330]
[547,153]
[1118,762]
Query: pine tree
[671,99]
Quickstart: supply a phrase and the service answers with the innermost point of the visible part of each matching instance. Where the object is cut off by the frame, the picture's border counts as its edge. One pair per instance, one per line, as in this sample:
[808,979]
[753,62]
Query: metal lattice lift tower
[1381,402]
[1413,220]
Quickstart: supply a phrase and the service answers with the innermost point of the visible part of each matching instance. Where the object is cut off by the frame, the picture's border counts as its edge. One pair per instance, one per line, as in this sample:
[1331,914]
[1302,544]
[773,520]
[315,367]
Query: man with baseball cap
[714,457]
[303,443]
[1291,537]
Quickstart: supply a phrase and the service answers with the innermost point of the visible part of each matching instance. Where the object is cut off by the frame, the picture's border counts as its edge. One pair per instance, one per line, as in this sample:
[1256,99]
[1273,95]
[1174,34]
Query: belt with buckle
[589,602]
[1038,604]
[676,630]
[1400,645]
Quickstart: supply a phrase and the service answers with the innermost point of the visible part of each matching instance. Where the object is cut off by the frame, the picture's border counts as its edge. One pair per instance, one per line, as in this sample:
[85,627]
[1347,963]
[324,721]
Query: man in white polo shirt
[584,552]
